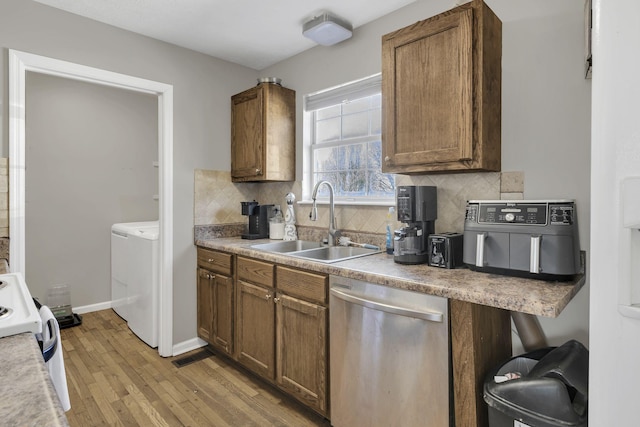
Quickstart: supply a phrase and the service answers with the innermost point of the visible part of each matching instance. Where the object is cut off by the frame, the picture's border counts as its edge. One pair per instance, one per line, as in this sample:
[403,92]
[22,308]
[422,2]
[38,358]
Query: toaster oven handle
[480,249]
[534,257]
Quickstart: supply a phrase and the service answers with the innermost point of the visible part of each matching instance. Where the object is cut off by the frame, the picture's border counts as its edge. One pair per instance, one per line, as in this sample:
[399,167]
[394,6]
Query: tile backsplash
[217,199]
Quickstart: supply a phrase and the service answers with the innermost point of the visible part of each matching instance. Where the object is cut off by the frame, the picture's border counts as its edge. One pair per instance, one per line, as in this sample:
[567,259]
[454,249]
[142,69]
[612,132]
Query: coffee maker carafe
[258,219]
[417,208]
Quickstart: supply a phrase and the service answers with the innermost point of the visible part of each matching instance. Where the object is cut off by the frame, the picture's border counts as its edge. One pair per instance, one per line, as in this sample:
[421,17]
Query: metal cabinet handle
[480,249]
[534,258]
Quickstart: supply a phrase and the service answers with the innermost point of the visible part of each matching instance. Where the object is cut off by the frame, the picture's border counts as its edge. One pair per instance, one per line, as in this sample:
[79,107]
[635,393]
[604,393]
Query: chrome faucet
[334,234]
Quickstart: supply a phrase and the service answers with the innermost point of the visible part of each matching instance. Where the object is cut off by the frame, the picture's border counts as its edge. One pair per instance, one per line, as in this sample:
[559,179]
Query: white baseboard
[188,345]
[92,307]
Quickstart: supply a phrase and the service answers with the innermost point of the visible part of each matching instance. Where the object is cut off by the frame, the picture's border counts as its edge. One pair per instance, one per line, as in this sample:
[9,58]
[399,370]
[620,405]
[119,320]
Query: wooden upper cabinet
[441,93]
[263,134]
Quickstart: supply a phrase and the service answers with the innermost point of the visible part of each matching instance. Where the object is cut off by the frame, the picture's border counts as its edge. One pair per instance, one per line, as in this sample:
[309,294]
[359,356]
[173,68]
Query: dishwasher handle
[388,308]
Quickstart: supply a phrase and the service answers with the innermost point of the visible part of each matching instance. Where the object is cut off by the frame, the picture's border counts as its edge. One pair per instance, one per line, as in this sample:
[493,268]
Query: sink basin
[331,254]
[287,246]
[315,251]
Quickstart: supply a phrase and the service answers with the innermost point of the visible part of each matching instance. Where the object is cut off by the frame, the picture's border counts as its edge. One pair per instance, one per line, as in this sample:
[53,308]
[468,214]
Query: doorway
[19,64]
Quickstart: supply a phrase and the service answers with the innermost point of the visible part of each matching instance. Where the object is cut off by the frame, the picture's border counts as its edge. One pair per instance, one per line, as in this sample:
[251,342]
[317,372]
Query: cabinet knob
[258,171]
[207,276]
[268,296]
[387,159]
[276,300]
[211,260]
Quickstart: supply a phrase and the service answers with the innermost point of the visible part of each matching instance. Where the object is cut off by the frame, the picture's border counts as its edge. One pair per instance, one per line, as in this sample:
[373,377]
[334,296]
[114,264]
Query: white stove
[18,312]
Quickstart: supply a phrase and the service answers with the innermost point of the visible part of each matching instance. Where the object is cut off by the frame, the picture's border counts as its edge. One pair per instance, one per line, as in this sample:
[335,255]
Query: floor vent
[184,361]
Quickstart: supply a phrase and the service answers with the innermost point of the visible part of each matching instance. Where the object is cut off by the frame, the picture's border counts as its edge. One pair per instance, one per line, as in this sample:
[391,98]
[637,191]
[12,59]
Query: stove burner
[3,284]
[5,312]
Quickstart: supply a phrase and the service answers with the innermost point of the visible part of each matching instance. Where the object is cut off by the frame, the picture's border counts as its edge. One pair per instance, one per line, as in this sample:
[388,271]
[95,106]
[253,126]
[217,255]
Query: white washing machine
[134,277]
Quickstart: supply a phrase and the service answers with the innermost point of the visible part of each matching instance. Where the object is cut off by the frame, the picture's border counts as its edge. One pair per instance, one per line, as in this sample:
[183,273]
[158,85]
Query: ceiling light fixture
[327,29]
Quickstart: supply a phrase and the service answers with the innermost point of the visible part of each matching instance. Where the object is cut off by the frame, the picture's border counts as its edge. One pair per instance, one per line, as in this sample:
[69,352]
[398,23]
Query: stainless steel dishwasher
[389,356]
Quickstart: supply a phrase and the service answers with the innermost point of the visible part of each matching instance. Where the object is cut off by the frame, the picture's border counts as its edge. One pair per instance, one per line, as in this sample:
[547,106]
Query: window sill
[382,203]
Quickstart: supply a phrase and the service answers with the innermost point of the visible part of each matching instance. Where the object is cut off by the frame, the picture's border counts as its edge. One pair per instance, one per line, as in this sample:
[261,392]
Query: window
[345,142]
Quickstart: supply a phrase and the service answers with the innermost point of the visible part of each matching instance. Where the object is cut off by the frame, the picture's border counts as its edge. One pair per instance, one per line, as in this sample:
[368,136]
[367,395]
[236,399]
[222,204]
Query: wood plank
[480,340]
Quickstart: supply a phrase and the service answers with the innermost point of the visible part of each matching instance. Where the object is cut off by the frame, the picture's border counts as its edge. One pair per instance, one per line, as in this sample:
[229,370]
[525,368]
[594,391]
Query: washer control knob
[509,217]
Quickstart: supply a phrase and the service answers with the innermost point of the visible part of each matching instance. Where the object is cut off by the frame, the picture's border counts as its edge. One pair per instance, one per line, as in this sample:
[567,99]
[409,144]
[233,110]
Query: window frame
[354,90]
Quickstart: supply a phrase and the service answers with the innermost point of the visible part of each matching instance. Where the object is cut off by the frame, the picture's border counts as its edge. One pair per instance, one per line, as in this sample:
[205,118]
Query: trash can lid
[550,392]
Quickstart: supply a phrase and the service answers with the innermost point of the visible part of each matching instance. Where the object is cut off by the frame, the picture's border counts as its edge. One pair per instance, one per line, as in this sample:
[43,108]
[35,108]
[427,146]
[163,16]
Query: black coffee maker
[258,219]
[417,207]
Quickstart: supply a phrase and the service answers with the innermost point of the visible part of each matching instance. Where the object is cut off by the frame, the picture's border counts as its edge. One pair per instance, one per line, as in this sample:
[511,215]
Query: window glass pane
[355,157]
[374,155]
[356,106]
[355,125]
[328,159]
[381,184]
[352,183]
[328,130]
[327,113]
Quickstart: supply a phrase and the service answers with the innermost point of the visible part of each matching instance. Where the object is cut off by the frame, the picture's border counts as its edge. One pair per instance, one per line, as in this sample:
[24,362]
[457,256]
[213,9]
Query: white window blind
[343,93]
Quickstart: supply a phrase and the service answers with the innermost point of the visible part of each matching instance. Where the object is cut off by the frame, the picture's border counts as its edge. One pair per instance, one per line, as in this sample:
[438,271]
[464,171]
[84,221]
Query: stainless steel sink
[315,250]
[287,246]
[331,254]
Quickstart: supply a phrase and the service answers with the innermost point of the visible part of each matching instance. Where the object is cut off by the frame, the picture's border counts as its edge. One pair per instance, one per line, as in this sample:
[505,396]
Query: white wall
[202,89]
[615,339]
[90,151]
[545,104]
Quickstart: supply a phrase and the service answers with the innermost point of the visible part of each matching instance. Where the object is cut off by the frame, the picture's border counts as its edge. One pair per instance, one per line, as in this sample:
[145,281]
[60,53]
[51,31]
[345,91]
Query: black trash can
[542,388]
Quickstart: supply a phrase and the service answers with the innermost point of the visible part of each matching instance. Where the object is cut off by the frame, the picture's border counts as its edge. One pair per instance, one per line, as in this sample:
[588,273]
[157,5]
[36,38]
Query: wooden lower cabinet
[281,334]
[255,329]
[216,299]
[301,350]
[215,309]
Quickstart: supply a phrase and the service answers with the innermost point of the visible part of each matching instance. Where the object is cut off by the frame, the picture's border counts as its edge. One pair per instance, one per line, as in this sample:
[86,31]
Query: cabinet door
[427,93]
[205,305]
[222,321]
[301,349]
[247,134]
[255,329]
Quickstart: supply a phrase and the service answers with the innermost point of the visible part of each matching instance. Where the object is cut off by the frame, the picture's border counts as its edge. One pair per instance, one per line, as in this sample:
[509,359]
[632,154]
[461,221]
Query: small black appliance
[258,220]
[445,250]
[417,208]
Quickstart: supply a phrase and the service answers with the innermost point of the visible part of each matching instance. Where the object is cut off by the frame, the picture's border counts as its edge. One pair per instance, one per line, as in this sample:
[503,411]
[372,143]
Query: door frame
[19,64]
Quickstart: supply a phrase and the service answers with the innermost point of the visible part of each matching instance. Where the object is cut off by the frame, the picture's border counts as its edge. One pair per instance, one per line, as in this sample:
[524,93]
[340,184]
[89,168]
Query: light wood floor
[115,379]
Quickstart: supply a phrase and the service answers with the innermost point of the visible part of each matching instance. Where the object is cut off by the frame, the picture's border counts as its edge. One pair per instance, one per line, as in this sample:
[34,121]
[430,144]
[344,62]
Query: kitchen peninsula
[480,306]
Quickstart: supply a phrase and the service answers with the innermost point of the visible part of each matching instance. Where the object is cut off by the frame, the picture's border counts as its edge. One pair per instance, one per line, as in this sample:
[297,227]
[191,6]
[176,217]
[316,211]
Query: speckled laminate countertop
[531,296]
[27,396]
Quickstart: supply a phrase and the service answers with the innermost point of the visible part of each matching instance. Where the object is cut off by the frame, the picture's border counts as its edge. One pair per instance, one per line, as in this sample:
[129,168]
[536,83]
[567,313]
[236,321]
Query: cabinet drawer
[257,272]
[218,262]
[310,286]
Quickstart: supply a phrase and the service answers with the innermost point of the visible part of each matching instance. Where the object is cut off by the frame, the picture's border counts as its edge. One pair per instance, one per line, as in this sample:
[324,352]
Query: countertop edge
[531,296]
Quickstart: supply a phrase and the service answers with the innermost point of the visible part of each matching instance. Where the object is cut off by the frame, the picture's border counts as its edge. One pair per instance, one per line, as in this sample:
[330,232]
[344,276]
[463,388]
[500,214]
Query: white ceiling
[253,33]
